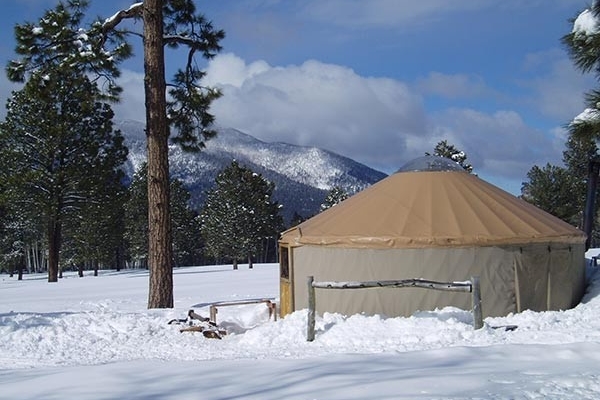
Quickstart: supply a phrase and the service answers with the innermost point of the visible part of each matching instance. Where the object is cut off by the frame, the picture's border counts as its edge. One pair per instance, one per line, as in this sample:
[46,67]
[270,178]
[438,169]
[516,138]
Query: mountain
[302,175]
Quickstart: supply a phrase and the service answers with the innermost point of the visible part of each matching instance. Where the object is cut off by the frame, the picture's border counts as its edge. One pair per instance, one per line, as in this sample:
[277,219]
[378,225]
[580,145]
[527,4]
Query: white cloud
[500,144]
[453,86]
[317,104]
[558,93]
[228,69]
[380,122]
[132,104]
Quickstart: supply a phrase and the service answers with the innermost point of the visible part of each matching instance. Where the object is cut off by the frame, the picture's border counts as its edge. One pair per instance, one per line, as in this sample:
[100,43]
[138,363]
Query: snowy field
[93,338]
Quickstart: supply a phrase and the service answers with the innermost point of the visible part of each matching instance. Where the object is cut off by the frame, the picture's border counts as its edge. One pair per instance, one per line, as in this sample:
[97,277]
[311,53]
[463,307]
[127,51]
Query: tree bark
[21,267]
[160,251]
[54,239]
[119,257]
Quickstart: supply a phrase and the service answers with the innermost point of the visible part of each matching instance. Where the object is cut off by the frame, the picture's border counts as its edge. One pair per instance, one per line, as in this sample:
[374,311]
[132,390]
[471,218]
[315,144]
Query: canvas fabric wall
[513,278]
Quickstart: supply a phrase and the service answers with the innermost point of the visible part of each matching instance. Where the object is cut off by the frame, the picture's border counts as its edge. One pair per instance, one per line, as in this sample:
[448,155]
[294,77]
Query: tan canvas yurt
[432,220]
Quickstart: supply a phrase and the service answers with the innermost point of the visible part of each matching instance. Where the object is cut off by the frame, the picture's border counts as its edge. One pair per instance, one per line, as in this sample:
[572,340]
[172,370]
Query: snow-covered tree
[335,196]
[96,236]
[60,146]
[16,230]
[136,217]
[566,186]
[187,243]
[444,149]
[239,215]
[187,240]
[98,50]
[562,190]
[549,189]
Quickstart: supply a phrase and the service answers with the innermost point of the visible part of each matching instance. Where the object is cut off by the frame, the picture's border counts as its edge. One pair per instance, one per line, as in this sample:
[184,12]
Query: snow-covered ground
[93,338]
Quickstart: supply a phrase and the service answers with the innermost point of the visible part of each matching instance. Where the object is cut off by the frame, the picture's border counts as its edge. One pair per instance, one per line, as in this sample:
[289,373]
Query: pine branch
[134,11]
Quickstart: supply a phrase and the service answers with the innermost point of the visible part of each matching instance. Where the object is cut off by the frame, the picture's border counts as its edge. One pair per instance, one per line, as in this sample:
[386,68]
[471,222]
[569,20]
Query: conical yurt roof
[431,202]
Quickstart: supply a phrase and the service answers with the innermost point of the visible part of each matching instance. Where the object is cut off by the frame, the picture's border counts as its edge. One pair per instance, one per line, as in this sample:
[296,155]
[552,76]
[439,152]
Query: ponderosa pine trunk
[54,240]
[21,267]
[160,252]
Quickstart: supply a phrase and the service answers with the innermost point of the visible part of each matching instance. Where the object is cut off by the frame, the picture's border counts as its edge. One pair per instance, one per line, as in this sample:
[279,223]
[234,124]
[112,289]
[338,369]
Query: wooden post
[213,313]
[476,300]
[310,330]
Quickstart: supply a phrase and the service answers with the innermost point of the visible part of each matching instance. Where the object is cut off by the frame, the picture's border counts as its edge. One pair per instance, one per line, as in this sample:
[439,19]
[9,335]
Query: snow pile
[95,332]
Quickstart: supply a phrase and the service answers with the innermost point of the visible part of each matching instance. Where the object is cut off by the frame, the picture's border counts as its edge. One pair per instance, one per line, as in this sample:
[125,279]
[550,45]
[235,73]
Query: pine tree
[297,219]
[443,149]
[136,217]
[60,143]
[335,196]
[98,50]
[16,232]
[549,188]
[97,235]
[239,215]
[171,23]
[562,190]
[187,242]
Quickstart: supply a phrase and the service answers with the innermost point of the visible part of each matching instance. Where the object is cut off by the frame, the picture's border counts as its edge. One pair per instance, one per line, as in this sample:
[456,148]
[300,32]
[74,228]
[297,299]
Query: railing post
[310,329]
[476,300]
[213,313]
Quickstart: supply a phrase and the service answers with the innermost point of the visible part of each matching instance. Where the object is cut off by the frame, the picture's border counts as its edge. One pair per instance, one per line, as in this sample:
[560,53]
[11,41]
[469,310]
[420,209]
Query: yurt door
[286,299]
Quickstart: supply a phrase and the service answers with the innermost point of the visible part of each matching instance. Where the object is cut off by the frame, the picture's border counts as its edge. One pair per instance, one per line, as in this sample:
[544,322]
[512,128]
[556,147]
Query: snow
[114,17]
[585,24]
[587,115]
[93,338]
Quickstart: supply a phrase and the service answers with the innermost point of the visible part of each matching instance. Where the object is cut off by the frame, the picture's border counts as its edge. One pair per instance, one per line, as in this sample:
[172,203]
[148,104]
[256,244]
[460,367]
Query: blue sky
[382,81]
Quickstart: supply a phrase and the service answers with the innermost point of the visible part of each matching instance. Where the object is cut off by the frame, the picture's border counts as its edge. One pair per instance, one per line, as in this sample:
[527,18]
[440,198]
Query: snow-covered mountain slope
[302,175]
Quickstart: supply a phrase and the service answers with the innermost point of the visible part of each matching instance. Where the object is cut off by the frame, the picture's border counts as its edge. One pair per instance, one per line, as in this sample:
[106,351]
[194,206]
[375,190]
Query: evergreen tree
[444,149]
[549,188]
[297,219]
[239,215]
[60,143]
[562,190]
[335,196]
[99,49]
[136,218]
[15,230]
[97,235]
[187,242]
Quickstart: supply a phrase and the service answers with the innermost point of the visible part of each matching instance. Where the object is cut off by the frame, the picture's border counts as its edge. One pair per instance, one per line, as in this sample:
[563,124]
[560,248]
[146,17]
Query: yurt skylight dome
[431,163]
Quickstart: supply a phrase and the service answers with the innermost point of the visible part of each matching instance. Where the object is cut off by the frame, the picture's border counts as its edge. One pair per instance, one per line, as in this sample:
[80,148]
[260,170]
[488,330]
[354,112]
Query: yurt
[432,220]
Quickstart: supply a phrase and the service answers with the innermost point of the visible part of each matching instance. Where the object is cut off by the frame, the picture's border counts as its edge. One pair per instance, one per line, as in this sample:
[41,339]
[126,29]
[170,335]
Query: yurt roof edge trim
[422,242]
